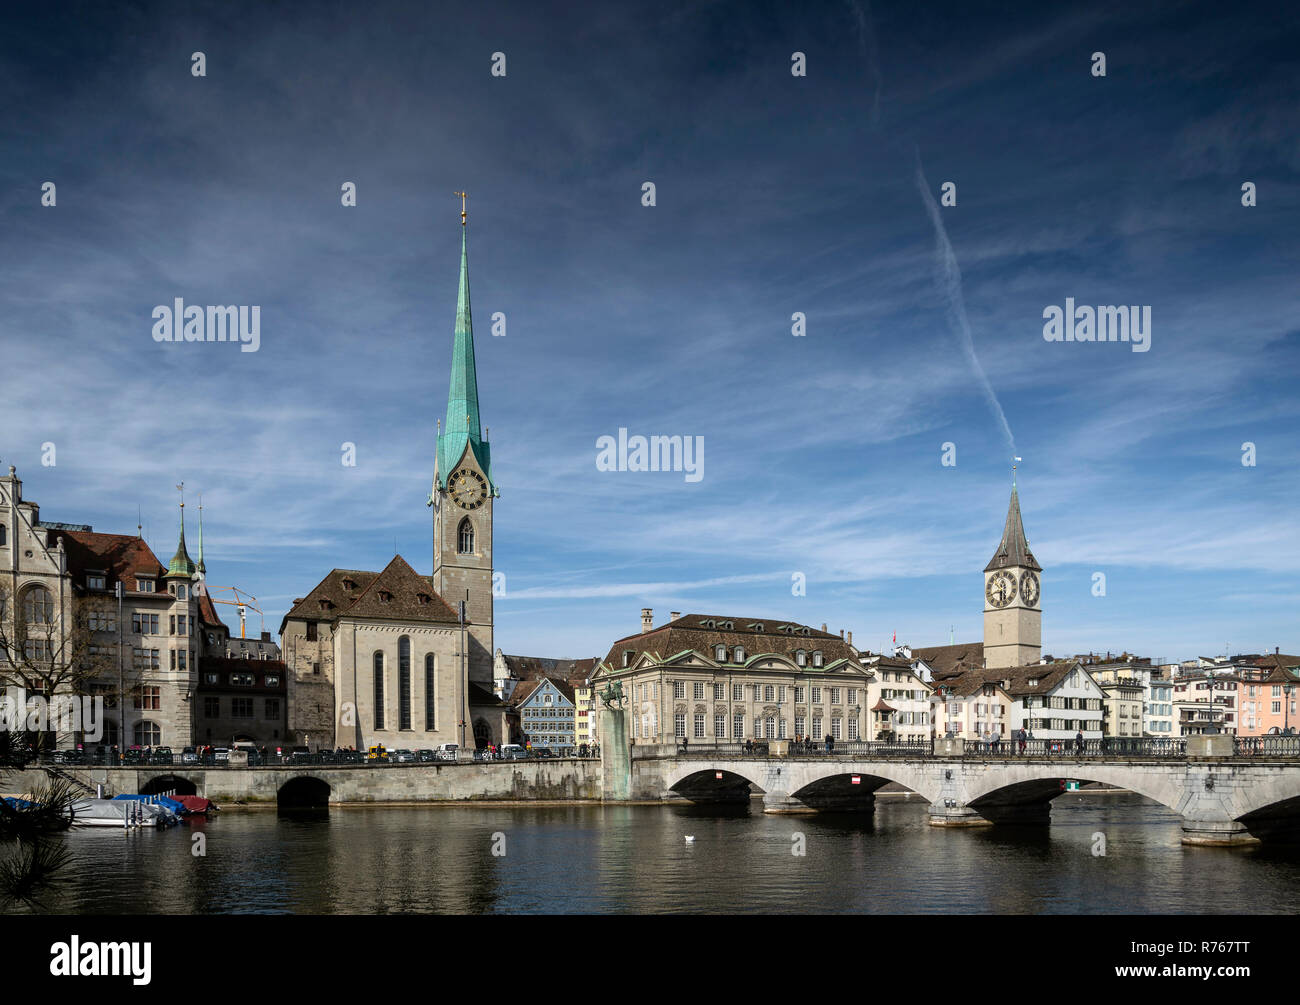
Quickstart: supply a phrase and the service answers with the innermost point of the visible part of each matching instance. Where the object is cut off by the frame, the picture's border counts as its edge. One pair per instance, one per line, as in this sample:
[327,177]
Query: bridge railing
[1266,746]
[1114,746]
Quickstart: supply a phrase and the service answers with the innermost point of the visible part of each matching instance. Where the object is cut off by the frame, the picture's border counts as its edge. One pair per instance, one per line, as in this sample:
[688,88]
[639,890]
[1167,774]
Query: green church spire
[180,563]
[462,425]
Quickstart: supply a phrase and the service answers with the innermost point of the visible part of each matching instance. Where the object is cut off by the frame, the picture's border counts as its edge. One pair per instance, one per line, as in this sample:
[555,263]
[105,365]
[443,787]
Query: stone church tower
[1013,613]
[463,494]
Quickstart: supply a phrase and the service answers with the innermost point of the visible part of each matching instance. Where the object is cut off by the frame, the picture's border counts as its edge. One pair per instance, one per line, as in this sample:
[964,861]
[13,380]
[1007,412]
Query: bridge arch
[169,783]
[1028,784]
[713,785]
[304,792]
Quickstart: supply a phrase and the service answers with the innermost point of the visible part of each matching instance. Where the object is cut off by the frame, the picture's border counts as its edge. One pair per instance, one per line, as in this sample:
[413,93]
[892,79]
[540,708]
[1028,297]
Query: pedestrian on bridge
[1078,742]
[1021,738]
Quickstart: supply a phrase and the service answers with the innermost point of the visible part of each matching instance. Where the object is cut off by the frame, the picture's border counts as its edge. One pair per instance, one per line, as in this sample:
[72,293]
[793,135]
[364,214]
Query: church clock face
[1001,588]
[467,488]
[1029,589]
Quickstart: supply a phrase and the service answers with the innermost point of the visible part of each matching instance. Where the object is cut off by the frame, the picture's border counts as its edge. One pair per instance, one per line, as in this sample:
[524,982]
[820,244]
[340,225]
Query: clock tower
[1013,613]
[463,493]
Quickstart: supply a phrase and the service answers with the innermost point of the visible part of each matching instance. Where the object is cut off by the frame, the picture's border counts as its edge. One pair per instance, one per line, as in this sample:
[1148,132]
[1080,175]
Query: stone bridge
[322,785]
[1222,800]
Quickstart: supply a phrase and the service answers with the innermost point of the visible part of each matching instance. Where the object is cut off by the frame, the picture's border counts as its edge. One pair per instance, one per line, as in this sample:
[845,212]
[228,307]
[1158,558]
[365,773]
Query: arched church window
[3,531]
[379,689]
[404,682]
[465,537]
[430,692]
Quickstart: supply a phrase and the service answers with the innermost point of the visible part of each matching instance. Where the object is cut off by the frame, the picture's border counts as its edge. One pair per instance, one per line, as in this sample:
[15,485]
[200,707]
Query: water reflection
[635,859]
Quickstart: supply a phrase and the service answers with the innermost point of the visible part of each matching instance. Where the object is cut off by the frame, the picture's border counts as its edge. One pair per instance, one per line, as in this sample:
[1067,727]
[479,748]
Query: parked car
[377,754]
[221,756]
[543,752]
[162,755]
[133,756]
[512,752]
[424,755]
[351,757]
[189,756]
[300,755]
[448,751]
[403,757]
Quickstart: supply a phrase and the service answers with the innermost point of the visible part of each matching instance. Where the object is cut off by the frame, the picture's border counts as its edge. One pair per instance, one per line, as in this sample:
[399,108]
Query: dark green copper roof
[180,563]
[462,423]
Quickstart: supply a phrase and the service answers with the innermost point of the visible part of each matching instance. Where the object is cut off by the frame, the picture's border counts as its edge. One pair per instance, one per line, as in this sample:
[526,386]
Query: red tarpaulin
[194,804]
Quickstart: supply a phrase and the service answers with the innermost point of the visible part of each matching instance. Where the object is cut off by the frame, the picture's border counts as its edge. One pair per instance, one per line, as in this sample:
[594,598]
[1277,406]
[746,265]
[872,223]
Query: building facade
[88,613]
[711,679]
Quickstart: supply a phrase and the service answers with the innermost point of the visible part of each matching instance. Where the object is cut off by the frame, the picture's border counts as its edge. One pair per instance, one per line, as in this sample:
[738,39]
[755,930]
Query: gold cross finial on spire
[181,489]
[462,206]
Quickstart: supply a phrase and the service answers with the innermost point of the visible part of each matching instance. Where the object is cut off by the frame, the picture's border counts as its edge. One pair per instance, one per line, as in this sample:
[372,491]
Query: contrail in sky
[867,42]
[947,275]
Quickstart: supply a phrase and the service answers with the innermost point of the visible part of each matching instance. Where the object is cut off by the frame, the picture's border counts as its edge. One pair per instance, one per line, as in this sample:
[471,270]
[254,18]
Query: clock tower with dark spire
[463,491]
[1013,612]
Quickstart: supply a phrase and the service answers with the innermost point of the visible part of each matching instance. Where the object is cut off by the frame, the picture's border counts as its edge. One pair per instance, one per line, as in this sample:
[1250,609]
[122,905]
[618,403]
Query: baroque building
[712,679]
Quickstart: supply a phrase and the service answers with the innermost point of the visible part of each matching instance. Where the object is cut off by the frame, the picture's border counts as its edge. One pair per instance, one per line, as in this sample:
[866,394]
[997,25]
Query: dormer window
[801,657]
[721,653]
[710,623]
[740,654]
[728,626]
[349,584]
[325,605]
[817,657]
[96,581]
[627,656]
[422,598]
[385,596]
[757,626]
[144,586]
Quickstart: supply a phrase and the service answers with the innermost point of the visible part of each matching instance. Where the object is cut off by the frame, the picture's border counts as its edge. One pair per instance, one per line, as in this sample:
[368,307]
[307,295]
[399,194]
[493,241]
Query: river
[635,859]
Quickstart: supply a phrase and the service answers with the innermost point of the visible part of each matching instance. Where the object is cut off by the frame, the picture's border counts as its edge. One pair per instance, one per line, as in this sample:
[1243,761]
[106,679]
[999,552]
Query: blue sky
[775,194]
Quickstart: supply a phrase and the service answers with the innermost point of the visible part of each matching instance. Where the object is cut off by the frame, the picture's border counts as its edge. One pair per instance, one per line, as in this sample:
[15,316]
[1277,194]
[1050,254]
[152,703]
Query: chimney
[266,636]
[647,619]
[841,634]
[674,615]
[850,638]
[823,626]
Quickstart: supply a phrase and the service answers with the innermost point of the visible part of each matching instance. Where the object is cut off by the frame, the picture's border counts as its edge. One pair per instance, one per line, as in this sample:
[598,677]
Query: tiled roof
[951,660]
[1046,676]
[208,612]
[691,632]
[393,593]
[533,667]
[122,557]
[402,594]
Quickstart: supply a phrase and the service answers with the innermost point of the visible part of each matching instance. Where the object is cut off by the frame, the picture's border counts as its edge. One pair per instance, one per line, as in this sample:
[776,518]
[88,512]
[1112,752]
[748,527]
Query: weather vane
[462,207]
[181,489]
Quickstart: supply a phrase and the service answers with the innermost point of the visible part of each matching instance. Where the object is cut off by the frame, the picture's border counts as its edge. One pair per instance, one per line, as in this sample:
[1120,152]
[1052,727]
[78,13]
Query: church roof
[1013,550]
[461,427]
[396,593]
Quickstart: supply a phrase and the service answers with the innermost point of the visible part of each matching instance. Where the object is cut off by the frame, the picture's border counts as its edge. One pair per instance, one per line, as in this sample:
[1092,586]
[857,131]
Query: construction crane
[243,601]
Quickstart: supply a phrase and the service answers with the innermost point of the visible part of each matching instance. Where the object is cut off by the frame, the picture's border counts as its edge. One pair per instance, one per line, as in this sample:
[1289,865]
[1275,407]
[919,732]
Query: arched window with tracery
[465,537]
